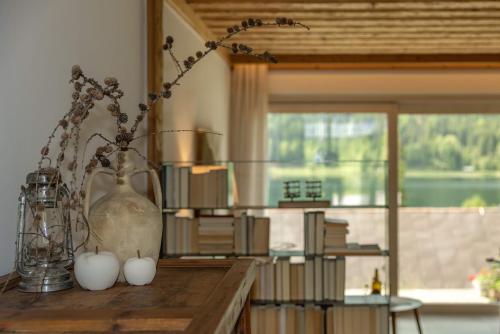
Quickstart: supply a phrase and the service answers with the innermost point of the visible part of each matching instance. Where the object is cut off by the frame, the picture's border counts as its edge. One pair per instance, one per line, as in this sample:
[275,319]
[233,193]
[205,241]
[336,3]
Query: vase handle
[156,184]
[86,201]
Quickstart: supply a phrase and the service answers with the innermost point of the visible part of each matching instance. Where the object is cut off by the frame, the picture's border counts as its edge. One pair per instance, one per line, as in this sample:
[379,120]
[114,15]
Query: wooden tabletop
[186,296]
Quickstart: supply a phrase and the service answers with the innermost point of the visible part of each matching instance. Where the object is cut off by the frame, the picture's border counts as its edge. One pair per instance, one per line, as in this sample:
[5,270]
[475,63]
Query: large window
[448,196]
[449,222]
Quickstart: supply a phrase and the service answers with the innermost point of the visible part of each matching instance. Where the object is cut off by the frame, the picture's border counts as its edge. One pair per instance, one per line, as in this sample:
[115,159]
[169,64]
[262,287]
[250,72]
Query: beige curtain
[248,133]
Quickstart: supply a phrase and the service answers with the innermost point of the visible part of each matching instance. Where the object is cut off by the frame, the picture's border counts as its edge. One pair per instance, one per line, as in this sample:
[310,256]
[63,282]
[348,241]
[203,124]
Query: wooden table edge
[226,308]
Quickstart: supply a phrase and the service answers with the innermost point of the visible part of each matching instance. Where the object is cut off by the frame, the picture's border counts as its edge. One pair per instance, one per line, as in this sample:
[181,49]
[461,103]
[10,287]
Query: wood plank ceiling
[462,30]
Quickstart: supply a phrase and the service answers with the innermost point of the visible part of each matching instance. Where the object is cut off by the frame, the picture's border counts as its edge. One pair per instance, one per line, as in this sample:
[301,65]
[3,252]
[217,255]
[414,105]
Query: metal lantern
[44,246]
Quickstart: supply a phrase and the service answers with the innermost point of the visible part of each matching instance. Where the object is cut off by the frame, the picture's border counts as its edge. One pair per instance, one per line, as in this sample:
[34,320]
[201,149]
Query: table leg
[417,318]
[248,317]
[393,319]
[243,325]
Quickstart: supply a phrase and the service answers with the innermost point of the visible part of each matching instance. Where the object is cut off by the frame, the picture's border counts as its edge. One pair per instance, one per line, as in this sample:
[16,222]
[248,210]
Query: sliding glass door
[449,217]
[421,181]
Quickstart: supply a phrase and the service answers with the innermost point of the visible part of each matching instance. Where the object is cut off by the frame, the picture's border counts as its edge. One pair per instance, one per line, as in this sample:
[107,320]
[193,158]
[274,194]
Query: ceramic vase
[124,221]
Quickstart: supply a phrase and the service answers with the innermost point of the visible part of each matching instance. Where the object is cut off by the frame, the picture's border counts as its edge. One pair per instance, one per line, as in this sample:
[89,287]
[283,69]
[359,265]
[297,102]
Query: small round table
[401,304]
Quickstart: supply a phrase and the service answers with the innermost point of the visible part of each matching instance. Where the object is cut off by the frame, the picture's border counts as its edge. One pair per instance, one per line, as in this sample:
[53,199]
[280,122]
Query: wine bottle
[376,284]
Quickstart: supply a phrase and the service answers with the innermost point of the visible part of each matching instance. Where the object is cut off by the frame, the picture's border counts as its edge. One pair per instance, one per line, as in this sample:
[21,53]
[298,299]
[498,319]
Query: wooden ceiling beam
[307,2]
[365,15]
[378,61]
[346,5]
[462,42]
[326,24]
[370,50]
[364,30]
[300,38]
[349,13]
[315,23]
[359,47]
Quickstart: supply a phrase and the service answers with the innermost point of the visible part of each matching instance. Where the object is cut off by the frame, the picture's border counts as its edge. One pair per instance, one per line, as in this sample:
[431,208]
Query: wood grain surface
[192,296]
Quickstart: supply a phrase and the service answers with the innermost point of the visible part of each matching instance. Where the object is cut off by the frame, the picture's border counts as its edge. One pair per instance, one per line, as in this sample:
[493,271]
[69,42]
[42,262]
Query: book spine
[340,278]
[279,279]
[320,232]
[287,280]
[318,279]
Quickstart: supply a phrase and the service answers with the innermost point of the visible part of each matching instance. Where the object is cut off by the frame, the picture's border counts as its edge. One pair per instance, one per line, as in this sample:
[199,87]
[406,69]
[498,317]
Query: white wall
[202,99]
[40,41]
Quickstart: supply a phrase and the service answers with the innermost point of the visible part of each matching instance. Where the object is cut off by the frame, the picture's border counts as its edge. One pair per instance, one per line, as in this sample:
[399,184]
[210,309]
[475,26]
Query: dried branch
[88,91]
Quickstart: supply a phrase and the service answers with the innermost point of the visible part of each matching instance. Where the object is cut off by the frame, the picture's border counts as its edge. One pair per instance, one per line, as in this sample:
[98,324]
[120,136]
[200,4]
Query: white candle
[97,270]
[139,270]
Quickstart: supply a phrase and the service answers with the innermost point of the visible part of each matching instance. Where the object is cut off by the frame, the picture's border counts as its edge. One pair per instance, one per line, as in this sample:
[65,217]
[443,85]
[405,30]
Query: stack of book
[289,319]
[175,186]
[264,284]
[357,319]
[335,234]
[194,187]
[181,235]
[313,279]
[297,279]
[251,235]
[208,188]
[314,232]
[245,235]
[215,234]
[334,278]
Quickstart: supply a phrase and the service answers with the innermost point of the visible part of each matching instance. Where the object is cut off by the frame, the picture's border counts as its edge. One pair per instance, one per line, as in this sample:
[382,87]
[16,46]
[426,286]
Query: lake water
[439,192]
[417,191]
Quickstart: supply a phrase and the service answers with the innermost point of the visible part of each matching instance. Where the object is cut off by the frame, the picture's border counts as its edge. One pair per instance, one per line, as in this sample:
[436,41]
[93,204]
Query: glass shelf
[261,207]
[260,184]
[368,300]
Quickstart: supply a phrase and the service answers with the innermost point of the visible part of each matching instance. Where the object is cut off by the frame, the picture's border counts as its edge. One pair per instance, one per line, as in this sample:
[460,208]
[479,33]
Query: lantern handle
[20,231]
[156,184]
[88,187]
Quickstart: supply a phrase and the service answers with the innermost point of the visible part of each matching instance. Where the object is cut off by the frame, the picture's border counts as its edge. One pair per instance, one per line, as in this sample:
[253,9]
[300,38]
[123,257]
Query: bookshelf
[344,309]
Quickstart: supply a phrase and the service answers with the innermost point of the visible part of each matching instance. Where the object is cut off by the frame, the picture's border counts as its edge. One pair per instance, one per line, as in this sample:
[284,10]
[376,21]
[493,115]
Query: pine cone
[105,162]
[78,86]
[123,118]
[76,72]
[63,123]
[110,81]
[100,150]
